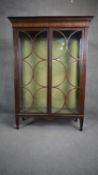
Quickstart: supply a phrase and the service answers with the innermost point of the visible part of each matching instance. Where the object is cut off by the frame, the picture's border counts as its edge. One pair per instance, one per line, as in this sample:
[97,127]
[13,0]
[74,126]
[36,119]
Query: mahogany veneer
[62,43]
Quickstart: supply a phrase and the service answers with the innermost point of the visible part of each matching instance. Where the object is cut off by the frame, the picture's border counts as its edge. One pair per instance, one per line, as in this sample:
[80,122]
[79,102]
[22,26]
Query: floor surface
[48,148]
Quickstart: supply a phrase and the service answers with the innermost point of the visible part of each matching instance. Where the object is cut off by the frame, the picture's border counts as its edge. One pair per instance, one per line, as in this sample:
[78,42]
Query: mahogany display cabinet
[50,67]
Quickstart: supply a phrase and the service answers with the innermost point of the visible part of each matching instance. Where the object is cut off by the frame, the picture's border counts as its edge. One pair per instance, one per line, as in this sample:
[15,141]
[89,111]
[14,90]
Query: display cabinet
[50,67]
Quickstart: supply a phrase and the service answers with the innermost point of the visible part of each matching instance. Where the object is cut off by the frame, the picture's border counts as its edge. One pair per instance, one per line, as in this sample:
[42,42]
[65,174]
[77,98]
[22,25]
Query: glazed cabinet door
[33,59]
[66,79]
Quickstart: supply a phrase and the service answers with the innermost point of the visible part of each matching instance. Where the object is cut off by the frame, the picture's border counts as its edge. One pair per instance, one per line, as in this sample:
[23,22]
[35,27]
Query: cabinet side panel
[83,70]
[16,70]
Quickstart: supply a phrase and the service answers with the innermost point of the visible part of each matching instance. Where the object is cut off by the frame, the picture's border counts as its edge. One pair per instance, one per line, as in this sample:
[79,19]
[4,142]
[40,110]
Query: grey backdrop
[47,148]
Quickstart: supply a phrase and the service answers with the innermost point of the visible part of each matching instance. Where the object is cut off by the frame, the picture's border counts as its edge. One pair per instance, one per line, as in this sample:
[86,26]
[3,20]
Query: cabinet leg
[17,122]
[81,124]
[23,118]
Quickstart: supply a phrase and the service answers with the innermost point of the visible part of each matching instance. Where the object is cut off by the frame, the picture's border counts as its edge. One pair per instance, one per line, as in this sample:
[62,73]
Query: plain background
[56,148]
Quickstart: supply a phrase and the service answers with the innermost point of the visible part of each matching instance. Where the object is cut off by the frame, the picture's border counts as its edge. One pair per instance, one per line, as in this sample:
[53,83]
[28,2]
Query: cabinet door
[66,56]
[33,70]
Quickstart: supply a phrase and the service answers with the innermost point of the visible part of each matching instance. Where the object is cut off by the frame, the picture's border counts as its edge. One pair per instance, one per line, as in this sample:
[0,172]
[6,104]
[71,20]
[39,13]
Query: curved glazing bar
[33,57]
[70,85]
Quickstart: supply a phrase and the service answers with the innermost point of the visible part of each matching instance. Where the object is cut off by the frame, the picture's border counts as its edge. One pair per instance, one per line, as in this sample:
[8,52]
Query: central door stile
[49,96]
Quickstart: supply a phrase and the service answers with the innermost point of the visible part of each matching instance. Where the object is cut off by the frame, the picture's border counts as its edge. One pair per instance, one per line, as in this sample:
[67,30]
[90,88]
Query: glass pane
[33,71]
[65,71]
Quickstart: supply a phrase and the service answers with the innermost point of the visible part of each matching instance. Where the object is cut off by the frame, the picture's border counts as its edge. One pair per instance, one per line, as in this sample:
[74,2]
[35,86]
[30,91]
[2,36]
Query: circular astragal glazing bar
[64,97]
[67,95]
[32,48]
[72,34]
[32,97]
[54,86]
[65,39]
[35,95]
[74,86]
[41,85]
[30,40]
[26,84]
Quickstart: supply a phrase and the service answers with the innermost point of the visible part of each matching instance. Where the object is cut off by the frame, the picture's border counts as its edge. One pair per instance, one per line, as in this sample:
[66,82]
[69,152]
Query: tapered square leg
[81,124]
[23,118]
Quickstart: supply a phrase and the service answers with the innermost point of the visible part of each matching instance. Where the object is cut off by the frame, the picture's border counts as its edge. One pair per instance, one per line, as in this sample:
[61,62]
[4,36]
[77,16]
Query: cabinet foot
[81,124]
[17,126]
[23,118]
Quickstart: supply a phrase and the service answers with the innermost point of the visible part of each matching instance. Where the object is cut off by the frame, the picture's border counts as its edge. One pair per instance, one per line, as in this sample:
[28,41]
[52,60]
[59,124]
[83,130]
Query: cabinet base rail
[49,118]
